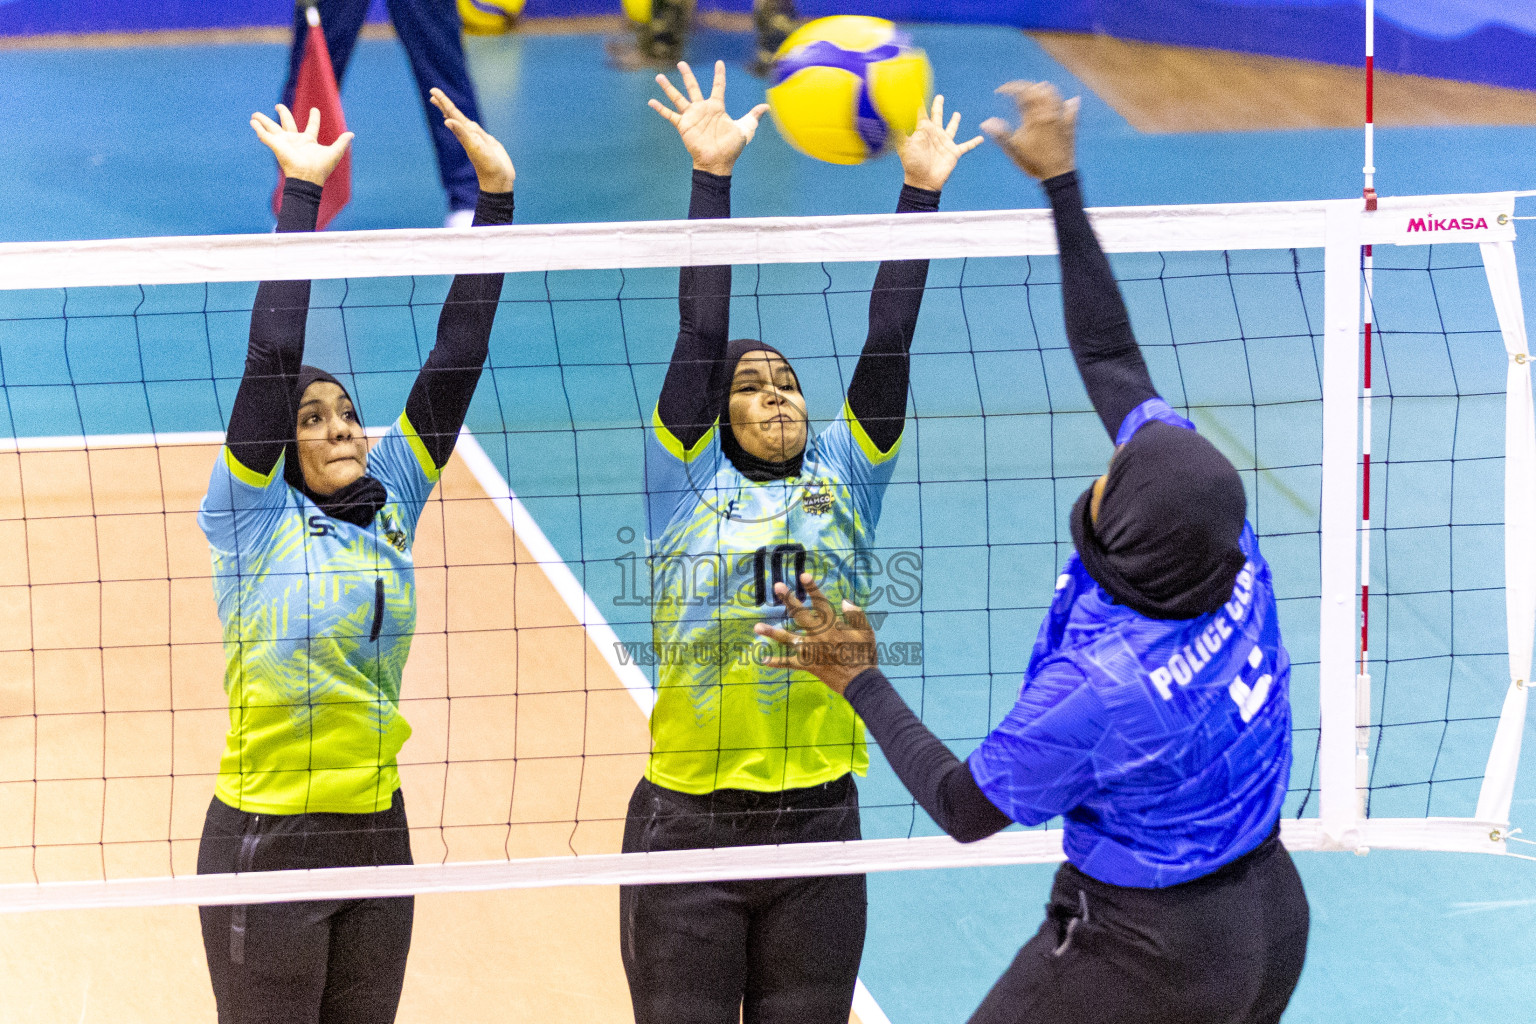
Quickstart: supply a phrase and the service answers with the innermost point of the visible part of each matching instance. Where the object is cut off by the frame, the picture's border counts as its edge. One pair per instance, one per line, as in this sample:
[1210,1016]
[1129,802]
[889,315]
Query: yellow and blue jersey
[718,543]
[318,616]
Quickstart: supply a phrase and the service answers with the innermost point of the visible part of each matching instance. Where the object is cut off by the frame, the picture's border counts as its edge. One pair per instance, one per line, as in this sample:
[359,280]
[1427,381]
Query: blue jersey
[318,618]
[1165,744]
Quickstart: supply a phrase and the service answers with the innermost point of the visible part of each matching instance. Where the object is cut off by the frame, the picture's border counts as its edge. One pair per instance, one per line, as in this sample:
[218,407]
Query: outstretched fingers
[690,82]
[748,122]
[265,127]
[717,90]
[672,116]
[1040,102]
[285,118]
[449,109]
[678,99]
[312,130]
[339,148]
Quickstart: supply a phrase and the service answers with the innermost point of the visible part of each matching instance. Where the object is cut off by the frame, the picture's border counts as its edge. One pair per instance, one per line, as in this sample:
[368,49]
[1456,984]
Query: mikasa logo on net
[1429,222]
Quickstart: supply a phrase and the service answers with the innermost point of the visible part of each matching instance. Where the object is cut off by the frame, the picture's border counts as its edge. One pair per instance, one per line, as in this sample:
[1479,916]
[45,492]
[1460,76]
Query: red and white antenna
[1363,676]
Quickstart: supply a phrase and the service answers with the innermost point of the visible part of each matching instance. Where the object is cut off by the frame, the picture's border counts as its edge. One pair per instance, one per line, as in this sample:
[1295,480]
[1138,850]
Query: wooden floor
[1165,89]
[111,717]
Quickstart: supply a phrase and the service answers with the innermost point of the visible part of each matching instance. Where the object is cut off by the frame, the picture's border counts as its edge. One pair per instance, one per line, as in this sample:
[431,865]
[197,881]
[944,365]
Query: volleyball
[843,85]
[638,11]
[489,17]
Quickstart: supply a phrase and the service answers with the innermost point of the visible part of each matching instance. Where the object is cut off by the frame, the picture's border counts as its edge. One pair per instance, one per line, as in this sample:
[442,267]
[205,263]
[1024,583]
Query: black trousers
[313,962]
[1224,949]
[772,951]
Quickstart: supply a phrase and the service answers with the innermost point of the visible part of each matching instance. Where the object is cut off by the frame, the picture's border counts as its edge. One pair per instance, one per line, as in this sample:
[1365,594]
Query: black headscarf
[1166,542]
[358,502]
[750,466]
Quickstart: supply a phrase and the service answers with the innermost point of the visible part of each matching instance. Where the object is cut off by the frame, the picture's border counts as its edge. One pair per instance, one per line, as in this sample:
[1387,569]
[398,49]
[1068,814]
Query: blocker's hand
[1044,144]
[930,153]
[300,154]
[833,649]
[492,164]
[711,137]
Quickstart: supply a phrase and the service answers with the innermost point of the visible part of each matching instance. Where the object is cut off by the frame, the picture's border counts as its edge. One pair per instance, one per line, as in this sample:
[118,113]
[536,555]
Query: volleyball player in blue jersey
[311,536]
[1154,715]
[740,493]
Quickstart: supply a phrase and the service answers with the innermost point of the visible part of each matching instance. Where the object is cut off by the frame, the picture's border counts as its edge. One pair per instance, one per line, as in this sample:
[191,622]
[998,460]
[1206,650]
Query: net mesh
[1439,649]
[528,681]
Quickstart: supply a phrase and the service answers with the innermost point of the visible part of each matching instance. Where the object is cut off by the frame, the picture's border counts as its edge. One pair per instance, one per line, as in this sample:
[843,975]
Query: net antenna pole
[1363,674]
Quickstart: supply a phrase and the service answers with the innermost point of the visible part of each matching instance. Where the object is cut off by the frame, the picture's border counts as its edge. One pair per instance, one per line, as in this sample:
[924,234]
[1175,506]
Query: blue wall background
[1490,41]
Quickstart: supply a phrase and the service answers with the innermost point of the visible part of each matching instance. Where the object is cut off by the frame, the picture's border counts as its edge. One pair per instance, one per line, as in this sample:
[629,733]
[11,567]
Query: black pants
[1224,949]
[774,951]
[318,961]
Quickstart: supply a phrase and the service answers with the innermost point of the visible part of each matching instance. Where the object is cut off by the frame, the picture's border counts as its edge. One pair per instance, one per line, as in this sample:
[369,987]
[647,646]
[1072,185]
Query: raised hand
[835,649]
[492,164]
[299,153]
[1044,144]
[930,153]
[711,137]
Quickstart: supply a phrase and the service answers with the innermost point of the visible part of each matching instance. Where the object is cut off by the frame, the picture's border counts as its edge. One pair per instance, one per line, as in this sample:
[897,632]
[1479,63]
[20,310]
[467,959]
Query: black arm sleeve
[941,782]
[262,420]
[1098,327]
[439,400]
[691,393]
[878,392]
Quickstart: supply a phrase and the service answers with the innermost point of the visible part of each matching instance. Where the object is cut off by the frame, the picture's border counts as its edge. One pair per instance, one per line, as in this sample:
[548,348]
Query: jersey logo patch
[817,499]
[321,526]
[392,532]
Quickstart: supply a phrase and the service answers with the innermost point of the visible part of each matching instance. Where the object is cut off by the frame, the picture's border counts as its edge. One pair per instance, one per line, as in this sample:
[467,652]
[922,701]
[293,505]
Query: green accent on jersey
[419,449]
[249,477]
[866,443]
[675,447]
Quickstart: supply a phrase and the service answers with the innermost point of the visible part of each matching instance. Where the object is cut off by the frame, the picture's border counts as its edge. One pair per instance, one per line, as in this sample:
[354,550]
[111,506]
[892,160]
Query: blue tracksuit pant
[429,30]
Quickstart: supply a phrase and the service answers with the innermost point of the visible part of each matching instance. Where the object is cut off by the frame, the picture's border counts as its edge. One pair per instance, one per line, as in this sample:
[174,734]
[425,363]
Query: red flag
[316,88]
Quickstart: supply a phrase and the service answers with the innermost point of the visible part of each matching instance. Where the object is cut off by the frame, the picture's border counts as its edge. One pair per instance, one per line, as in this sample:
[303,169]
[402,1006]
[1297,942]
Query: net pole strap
[1338,802]
[1498,789]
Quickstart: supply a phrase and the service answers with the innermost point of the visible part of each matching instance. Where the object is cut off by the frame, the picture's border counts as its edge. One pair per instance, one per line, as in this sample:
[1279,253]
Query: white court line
[586,612]
[565,582]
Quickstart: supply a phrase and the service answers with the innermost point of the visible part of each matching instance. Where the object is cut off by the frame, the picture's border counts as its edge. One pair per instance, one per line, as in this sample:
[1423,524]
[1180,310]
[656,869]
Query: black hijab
[358,502]
[750,466]
[1166,542]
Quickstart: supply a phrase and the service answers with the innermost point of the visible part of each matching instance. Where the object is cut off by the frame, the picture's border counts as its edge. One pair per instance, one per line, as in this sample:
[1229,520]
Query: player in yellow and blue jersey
[739,497]
[311,536]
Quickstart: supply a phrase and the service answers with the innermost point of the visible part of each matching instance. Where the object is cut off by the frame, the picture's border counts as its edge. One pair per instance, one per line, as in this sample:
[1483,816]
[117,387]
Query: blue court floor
[154,141]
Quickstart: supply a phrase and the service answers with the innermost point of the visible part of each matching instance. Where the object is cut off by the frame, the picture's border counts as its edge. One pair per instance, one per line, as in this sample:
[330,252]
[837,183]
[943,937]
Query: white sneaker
[459,219]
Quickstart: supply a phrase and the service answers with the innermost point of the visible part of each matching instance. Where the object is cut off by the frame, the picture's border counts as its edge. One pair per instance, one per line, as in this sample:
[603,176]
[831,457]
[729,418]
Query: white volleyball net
[531,675]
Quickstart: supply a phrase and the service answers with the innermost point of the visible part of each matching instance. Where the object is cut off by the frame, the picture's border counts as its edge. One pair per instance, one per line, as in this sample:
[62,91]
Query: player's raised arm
[877,395]
[692,393]
[439,400]
[1098,327]
[261,422]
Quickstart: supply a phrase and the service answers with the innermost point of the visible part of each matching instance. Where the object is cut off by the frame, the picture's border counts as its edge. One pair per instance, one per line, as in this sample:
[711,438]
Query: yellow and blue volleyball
[489,17]
[842,86]
[638,11]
